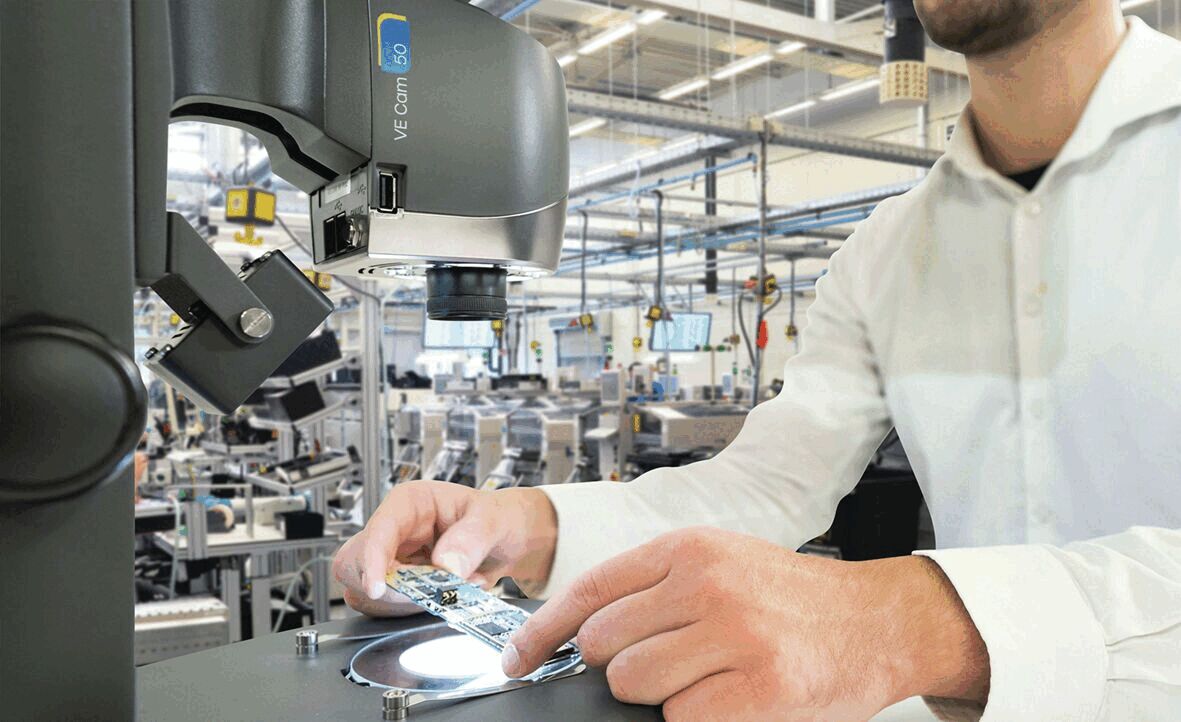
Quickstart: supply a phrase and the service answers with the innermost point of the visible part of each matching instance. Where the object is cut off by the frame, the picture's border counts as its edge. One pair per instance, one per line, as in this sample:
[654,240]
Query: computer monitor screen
[458,335]
[682,332]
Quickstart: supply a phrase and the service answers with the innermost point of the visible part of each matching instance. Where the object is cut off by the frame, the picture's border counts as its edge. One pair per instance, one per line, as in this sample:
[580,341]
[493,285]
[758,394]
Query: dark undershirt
[1029,178]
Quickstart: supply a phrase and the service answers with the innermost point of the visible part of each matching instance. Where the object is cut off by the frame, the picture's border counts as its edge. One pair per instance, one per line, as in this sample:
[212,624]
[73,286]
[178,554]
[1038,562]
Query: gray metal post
[372,404]
[711,210]
[231,595]
[67,177]
[582,265]
[660,269]
[762,282]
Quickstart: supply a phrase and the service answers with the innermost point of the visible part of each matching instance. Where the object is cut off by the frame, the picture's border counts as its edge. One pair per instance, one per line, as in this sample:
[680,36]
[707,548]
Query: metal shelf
[298,487]
[272,425]
[217,447]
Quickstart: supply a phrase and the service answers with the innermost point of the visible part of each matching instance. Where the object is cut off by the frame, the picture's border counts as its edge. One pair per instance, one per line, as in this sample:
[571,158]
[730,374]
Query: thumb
[464,546]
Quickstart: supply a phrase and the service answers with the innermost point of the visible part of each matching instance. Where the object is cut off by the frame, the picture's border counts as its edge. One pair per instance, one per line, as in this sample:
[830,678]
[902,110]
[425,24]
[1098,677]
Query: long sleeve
[1087,631]
[781,478]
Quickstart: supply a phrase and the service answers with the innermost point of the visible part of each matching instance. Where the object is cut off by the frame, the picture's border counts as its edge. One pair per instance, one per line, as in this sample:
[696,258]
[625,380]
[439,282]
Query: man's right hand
[478,535]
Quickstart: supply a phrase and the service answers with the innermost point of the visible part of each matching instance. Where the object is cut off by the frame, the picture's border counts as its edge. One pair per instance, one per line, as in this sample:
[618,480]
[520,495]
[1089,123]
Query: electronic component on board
[465,607]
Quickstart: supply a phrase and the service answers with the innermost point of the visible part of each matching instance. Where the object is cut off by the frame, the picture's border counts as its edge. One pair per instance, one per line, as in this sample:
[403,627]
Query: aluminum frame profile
[743,131]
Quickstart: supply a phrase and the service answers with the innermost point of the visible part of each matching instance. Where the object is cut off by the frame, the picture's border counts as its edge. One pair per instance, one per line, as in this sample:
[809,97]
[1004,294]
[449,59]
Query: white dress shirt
[1027,347]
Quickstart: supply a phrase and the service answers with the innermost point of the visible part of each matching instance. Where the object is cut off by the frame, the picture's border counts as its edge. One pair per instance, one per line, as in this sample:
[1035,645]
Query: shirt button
[1033,208]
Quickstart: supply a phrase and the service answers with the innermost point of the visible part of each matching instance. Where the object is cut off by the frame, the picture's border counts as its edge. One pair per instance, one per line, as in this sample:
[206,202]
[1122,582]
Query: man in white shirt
[1015,318]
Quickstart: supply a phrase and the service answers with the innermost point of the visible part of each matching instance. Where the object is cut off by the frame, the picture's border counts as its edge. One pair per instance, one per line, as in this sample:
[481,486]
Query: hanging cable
[291,589]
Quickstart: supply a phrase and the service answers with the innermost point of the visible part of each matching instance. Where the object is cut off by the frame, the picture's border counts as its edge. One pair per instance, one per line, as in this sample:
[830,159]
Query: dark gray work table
[262,679]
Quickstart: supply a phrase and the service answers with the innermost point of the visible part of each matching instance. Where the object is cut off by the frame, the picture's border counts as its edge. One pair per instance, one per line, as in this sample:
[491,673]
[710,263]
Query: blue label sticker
[393,43]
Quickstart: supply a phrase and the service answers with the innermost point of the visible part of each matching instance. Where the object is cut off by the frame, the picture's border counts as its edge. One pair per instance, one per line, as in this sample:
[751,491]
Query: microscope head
[430,136]
[467,178]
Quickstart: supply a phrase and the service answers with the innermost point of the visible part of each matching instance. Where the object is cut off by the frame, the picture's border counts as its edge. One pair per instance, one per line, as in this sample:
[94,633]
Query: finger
[630,620]
[717,697]
[375,557]
[396,520]
[464,546]
[560,618]
[658,667]
[390,605]
[346,565]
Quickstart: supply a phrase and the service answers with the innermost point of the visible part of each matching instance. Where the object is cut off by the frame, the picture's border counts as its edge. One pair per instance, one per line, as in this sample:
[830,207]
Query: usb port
[386,191]
[337,238]
[330,248]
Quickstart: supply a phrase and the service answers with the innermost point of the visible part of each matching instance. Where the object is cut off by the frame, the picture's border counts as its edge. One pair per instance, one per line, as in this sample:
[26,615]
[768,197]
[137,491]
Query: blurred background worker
[1055,213]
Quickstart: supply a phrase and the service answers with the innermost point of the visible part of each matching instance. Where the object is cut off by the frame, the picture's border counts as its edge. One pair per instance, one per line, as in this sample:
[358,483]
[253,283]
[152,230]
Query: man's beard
[982,27]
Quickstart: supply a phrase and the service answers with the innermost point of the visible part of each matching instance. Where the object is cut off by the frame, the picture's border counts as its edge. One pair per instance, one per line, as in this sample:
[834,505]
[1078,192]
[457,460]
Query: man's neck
[1027,100]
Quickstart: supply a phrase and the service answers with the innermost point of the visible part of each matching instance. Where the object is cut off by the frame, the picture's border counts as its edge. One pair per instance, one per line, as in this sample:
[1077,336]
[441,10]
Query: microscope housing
[428,134]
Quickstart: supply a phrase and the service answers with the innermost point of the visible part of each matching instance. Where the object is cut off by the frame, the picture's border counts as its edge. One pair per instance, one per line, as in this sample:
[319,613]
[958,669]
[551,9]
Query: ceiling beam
[782,25]
[743,130]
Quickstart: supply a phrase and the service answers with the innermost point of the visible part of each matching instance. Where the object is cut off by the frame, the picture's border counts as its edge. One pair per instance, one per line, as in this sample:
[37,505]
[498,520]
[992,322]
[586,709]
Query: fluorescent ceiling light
[741,66]
[790,110]
[602,168]
[650,16]
[586,126]
[848,89]
[607,37]
[567,59]
[642,155]
[684,88]
[683,142]
[790,47]
[1129,4]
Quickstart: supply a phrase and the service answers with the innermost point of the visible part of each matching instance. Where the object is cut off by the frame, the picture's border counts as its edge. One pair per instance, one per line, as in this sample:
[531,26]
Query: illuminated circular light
[453,657]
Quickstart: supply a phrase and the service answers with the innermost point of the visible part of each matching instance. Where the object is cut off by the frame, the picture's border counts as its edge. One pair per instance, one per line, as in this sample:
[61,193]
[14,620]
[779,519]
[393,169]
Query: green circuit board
[466,607]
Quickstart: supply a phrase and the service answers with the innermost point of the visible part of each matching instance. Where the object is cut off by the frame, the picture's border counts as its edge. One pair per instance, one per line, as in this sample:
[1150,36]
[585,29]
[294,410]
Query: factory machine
[473,442]
[543,444]
[365,105]
[636,434]
[679,433]
[418,431]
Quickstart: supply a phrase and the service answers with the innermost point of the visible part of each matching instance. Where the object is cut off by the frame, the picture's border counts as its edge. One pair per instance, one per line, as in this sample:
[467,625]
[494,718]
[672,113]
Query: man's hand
[478,535]
[717,625]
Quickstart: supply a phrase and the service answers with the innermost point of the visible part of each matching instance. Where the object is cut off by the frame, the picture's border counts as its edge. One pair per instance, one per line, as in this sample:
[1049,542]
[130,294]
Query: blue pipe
[783,228]
[519,10]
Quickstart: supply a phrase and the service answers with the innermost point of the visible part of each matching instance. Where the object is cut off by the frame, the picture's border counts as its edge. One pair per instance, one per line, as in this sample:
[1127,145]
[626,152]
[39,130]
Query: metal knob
[256,322]
[395,704]
[307,643]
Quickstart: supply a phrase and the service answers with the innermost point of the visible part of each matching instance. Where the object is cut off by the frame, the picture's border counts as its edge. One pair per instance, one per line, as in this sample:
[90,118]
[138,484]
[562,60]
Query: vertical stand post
[711,254]
[760,290]
[67,177]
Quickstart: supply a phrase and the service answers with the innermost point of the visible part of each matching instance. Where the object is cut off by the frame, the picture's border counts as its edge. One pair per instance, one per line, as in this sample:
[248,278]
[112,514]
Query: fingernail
[454,563]
[510,660]
[376,590]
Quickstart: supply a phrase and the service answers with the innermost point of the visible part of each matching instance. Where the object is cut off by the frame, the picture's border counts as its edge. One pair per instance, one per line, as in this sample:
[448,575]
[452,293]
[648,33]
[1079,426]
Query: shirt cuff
[1046,649]
[590,530]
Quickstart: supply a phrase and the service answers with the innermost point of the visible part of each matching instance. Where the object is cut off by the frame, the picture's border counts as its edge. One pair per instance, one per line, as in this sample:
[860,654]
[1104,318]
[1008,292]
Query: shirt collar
[1140,81]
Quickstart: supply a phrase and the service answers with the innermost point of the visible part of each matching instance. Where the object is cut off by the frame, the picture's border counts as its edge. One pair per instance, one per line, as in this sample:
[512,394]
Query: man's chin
[979,28]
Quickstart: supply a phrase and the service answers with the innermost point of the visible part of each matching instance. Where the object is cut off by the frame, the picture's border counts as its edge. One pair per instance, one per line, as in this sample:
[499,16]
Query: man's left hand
[717,625]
